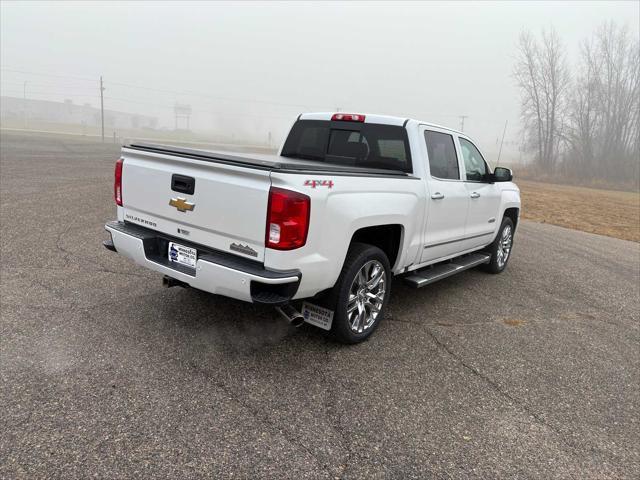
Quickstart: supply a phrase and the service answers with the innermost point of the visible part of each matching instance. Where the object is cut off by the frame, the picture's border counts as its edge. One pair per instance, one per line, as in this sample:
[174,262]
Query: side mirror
[502,174]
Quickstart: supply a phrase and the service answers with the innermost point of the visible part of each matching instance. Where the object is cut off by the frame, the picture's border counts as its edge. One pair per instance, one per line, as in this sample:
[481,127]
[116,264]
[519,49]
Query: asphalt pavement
[533,373]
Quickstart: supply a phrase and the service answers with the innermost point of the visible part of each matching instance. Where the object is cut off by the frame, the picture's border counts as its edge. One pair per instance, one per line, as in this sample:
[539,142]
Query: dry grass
[529,173]
[605,212]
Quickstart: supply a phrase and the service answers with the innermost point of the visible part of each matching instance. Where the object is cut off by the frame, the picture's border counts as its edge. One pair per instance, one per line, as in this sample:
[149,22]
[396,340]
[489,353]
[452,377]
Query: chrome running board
[433,273]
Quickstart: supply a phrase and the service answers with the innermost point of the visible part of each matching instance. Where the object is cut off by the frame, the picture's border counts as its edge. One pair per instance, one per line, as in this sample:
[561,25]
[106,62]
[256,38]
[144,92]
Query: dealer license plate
[183,255]
[317,315]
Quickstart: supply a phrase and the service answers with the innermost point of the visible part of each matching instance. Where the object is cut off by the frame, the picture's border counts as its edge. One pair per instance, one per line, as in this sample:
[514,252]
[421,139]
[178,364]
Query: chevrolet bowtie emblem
[181,204]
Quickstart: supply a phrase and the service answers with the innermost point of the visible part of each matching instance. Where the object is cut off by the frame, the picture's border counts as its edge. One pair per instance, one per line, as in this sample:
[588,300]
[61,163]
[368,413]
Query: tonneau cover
[262,162]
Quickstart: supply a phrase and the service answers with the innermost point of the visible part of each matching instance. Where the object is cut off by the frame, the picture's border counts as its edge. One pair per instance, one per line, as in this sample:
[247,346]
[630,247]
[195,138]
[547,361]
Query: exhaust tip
[297,321]
[291,315]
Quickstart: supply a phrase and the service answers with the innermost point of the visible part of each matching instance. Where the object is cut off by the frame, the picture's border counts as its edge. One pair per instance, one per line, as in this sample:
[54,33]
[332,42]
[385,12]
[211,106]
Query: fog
[248,69]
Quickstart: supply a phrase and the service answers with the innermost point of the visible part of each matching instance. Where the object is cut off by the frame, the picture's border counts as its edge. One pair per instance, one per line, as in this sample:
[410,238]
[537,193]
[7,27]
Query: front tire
[361,294]
[500,249]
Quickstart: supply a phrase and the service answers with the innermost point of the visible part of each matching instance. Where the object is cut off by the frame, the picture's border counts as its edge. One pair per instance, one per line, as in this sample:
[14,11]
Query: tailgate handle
[183,184]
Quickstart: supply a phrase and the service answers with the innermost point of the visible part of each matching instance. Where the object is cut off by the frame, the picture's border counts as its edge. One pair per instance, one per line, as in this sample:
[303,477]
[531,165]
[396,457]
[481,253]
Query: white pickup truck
[350,201]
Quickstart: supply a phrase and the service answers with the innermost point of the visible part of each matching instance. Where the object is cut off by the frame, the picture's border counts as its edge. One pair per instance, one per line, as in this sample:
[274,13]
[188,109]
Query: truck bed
[264,162]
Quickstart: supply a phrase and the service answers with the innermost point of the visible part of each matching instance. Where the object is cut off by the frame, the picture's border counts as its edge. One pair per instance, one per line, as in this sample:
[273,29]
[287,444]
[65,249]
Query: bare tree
[584,113]
[605,112]
[542,75]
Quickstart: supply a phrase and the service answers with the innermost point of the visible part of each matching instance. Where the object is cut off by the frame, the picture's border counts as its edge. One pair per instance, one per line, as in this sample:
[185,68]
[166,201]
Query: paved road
[530,374]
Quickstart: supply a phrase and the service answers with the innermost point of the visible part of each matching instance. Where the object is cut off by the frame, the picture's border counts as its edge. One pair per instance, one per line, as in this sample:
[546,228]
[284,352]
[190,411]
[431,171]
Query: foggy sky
[256,65]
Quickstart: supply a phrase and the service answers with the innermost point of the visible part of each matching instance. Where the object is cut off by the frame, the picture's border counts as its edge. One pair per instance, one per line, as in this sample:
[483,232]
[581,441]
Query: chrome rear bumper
[216,272]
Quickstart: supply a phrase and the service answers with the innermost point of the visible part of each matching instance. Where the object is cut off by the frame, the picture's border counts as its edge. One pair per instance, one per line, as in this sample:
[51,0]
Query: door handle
[475,195]
[437,196]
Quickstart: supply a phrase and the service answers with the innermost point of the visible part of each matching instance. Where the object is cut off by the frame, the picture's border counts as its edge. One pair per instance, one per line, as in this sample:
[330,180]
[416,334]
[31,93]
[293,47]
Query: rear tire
[501,248]
[359,297]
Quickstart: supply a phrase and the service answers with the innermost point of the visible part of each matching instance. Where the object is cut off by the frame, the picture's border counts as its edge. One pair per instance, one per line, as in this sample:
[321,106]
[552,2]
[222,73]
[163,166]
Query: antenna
[502,141]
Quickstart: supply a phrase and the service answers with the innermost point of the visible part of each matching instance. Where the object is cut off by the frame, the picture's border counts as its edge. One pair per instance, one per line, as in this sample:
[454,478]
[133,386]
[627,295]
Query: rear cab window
[356,144]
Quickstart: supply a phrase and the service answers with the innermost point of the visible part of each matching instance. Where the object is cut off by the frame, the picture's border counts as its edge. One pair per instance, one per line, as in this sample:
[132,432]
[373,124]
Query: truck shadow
[231,324]
[245,327]
[213,329]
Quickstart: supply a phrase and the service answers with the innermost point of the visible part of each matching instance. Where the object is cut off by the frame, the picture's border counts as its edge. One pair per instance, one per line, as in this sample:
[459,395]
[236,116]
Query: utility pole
[24,105]
[102,107]
[502,141]
[462,117]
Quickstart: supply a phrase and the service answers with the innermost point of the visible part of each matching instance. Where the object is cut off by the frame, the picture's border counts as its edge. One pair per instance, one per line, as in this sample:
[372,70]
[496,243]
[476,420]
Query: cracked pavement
[530,374]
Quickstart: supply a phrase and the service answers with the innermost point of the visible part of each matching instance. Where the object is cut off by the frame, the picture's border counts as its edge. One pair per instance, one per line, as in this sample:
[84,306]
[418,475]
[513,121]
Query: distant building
[14,108]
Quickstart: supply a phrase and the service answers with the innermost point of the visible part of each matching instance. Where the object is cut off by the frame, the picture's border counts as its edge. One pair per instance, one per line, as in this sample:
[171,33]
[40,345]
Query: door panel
[445,226]
[484,205]
[484,197]
[447,197]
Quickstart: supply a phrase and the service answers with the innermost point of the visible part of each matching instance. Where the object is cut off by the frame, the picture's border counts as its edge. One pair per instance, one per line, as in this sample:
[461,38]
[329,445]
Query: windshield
[350,143]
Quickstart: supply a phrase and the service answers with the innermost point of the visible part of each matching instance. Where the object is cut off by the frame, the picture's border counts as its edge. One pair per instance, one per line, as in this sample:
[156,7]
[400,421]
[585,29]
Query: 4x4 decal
[318,183]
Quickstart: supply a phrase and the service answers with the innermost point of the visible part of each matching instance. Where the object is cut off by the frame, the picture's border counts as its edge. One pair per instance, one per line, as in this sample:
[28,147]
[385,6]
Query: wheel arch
[387,237]
[514,214]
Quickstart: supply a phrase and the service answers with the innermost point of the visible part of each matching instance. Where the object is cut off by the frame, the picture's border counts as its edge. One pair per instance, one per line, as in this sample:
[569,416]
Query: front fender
[510,198]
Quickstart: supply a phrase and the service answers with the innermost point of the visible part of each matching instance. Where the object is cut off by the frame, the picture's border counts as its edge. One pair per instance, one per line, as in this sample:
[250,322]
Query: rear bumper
[216,272]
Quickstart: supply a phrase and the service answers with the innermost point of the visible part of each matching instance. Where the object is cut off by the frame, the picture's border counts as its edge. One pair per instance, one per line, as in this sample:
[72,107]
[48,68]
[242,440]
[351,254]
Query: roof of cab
[373,118]
[368,118]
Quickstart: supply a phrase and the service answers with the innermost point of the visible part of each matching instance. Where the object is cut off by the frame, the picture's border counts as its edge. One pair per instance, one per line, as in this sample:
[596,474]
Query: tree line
[582,122]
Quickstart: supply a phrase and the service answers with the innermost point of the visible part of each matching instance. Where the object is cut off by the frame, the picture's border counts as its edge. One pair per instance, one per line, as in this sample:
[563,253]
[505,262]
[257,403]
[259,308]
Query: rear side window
[443,161]
[350,143]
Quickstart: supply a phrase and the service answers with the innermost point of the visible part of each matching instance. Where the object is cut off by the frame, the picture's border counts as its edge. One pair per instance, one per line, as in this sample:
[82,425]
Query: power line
[61,84]
[31,93]
[10,83]
[13,91]
[47,88]
[47,74]
[198,110]
[203,95]
[17,91]
[160,90]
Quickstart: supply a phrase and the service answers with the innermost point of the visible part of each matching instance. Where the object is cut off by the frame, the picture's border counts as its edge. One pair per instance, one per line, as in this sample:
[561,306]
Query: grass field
[605,212]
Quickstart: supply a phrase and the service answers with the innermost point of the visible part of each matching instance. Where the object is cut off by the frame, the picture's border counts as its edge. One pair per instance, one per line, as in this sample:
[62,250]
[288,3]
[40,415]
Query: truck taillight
[287,219]
[348,117]
[117,184]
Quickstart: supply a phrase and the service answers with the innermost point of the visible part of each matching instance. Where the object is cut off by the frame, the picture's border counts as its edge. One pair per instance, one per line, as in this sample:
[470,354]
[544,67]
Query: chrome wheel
[366,296]
[504,246]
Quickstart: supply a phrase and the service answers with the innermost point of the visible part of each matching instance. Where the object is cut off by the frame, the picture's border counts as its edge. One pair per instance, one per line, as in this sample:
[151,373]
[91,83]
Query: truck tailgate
[229,201]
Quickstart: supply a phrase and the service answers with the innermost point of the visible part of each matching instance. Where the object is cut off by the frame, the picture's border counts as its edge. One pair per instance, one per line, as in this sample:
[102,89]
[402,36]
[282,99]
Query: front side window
[443,160]
[474,164]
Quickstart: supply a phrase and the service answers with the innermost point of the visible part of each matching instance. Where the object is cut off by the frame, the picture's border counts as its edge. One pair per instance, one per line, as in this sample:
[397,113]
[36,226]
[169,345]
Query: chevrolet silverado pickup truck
[320,229]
